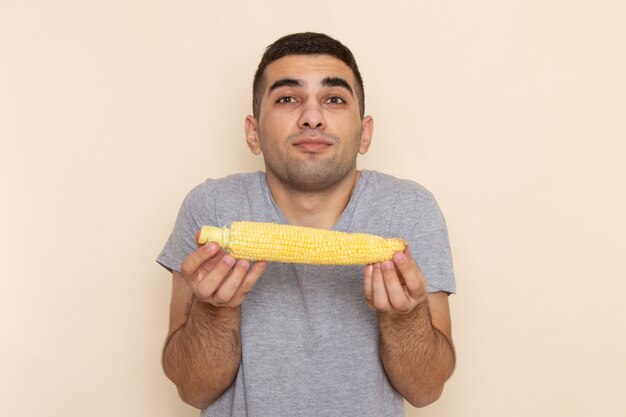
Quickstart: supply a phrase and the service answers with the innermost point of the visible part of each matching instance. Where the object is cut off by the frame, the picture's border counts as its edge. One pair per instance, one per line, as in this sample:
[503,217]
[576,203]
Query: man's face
[309,127]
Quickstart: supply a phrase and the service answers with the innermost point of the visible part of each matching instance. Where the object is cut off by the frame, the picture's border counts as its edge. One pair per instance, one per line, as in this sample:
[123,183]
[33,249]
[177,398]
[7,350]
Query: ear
[252,134]
[367,130]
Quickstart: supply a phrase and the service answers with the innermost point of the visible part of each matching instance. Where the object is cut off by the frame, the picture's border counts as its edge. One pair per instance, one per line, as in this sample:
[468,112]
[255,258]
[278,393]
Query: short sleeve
[430,246]
[197,209]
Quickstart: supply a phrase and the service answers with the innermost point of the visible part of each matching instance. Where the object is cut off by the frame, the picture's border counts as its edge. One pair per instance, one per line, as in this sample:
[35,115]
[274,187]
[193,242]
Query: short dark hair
[306,43]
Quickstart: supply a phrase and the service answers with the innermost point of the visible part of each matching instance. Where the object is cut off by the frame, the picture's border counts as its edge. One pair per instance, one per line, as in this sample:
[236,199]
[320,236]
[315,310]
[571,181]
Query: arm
[202,350]
[415,332]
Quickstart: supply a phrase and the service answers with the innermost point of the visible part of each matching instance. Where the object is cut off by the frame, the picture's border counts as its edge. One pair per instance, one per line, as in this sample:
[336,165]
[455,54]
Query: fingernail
[398,257]
[388,265]
[229,260]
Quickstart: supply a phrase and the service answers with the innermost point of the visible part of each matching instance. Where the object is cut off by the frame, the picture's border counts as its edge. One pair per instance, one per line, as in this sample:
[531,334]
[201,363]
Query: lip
[312,144]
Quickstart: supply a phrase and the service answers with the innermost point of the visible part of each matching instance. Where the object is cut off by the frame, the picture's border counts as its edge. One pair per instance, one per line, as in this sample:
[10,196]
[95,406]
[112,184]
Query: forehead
[310,69]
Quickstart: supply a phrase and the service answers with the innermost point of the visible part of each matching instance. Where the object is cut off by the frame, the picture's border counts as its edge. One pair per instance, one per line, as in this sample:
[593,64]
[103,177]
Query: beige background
[511,112]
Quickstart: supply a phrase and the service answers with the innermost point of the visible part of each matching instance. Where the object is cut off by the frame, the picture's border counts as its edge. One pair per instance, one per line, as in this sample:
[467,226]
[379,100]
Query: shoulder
[212,193]
[234,197]
[390,206]
[240,179]
[396,191]
[234,183]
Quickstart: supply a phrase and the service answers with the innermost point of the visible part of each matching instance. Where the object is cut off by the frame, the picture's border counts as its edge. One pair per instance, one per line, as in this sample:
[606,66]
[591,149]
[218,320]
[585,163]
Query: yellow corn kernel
[254,241]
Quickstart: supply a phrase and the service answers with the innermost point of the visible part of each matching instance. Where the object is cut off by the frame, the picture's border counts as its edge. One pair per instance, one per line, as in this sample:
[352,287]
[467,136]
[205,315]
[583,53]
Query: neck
[321,209]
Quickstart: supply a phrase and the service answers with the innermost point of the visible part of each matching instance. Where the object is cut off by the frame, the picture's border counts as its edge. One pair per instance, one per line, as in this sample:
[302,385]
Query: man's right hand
[203,351]
[217,278]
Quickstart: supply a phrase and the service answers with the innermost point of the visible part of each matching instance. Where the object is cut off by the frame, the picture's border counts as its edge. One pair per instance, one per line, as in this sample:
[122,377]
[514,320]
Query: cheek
[346,121]
[273,123]
[349,128]
[276,129]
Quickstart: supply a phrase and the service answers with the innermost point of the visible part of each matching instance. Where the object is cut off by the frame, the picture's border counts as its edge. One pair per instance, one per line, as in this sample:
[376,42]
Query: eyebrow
[337,82]
[285,82]
[326,82]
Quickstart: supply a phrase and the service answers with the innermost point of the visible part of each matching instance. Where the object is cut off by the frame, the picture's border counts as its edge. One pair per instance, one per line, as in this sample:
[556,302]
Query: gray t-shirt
[309,341]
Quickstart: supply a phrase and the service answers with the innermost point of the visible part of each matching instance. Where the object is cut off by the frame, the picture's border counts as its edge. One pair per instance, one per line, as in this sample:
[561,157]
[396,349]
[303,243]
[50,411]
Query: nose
[311,117]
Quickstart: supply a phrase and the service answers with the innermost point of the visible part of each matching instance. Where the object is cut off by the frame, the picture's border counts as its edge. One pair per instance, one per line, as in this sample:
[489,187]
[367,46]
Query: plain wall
[513,113]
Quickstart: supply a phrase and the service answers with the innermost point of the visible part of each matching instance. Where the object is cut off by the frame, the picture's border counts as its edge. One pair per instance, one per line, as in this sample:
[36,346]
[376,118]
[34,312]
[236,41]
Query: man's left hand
[395,286]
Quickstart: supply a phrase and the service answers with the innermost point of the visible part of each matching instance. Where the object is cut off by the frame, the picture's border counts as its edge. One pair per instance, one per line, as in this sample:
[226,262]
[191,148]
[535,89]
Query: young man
[271,339]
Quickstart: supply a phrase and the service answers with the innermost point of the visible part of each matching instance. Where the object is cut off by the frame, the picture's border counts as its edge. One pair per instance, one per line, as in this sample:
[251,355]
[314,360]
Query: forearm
[202,357]
[417,358]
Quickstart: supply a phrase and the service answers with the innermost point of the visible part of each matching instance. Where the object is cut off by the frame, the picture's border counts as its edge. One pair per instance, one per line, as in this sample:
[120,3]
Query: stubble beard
[316,173]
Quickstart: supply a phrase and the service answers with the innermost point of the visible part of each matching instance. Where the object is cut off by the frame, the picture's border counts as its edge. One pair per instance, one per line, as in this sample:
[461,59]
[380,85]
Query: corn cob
[254,241]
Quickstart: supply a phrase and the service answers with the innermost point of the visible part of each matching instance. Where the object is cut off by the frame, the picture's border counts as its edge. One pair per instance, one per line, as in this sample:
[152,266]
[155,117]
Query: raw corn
[254,241]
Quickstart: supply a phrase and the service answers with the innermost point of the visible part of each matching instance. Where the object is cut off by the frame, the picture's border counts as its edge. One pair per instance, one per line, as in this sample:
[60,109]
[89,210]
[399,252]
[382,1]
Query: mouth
[312,144]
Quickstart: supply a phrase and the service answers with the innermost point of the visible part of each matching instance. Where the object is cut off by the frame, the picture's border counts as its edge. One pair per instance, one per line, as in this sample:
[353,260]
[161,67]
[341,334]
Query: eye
[335,100]
[286,100]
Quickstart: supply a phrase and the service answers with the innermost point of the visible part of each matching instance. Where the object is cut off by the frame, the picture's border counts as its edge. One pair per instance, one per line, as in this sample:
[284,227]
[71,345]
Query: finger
[254,273]
[191,263]
[413,278]
[367,282]
[207,286]
[230,285]
[398,298]
[380,299]
[209,265]
[252,277]
[367,286]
